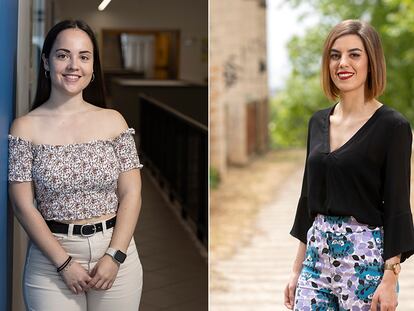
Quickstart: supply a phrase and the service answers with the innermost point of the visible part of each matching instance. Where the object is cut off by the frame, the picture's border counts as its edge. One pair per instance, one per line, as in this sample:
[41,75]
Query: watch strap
[394,267]
[111,251]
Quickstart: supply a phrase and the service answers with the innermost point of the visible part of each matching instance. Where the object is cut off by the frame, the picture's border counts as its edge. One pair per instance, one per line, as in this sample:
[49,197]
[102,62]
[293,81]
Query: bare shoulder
[28,125]
[22,127]
[113,121]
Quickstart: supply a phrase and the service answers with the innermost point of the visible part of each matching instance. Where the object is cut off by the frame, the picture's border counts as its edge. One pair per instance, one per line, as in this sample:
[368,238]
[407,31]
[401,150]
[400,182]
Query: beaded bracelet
[63,266]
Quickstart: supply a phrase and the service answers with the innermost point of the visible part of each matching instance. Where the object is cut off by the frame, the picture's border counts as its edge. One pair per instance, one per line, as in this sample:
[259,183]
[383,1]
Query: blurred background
[265,85]
[154,56]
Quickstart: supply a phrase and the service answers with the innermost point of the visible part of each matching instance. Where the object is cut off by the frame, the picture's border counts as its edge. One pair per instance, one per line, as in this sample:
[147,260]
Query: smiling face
[348,64]
[70,62]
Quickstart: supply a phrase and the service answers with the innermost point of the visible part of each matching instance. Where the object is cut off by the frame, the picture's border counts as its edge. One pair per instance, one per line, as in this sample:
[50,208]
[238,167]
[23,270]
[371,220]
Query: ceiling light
[103,5]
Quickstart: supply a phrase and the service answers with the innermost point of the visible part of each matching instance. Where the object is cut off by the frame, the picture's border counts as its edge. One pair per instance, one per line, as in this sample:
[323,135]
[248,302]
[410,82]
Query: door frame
[8,37]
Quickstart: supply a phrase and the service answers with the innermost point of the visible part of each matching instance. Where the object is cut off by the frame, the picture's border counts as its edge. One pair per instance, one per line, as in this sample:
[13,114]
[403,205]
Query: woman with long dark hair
[78,162]
[353,220]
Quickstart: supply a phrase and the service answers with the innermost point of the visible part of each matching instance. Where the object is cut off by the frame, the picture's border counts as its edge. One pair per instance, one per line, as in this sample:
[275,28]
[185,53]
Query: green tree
[394,20]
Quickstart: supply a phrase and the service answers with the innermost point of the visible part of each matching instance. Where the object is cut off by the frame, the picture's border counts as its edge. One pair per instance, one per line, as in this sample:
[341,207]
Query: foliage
[291,109]
[214,179]
[394,20]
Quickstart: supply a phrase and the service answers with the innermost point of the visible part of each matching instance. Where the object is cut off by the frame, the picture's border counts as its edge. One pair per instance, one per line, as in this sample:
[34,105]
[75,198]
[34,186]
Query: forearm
[300,257]
[38,232]
[126,220]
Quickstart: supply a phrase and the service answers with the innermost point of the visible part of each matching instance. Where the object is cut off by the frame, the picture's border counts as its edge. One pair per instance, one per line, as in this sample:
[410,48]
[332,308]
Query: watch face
[397,268]
[120,256]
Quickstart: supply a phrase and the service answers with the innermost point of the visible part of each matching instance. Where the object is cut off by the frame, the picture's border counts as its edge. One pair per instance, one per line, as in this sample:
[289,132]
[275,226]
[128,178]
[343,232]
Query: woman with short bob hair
[377,73]
[353,220]
[79,162]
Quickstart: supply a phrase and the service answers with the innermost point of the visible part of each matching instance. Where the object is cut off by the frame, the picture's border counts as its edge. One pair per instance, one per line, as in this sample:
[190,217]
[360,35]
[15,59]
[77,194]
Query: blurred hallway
[146,47]
[175,272]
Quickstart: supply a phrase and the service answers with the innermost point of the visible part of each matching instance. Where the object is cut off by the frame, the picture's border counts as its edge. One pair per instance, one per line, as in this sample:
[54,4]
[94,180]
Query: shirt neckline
[129,130]
[367,123]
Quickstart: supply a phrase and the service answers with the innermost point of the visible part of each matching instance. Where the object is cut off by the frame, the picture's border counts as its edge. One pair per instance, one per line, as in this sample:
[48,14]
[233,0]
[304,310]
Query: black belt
[83,230]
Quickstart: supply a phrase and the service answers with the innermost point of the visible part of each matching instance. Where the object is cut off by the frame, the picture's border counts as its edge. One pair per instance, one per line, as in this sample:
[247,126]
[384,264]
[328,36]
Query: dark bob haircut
[94,92]
[376,78]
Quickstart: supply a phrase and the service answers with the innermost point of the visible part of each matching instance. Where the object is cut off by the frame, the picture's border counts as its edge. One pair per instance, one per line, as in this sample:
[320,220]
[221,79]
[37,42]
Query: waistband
[85,230]
[341,224]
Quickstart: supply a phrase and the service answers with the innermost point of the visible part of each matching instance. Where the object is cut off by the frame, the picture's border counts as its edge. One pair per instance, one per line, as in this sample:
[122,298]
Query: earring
[93,77]
[46,74]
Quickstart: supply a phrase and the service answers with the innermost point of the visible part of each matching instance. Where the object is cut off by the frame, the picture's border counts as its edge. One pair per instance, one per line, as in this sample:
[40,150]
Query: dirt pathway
[251,251]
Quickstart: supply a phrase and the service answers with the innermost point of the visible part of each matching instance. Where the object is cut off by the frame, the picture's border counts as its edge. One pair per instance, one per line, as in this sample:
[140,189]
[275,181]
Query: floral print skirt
[343,265]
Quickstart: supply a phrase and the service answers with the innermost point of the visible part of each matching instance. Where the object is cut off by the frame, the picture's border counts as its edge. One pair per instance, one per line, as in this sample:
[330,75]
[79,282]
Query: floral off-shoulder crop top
[74,181]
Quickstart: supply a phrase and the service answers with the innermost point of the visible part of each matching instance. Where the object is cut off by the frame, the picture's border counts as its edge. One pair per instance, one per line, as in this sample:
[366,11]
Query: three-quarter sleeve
[126,151]
[20,159]
[303,220]
[398,221]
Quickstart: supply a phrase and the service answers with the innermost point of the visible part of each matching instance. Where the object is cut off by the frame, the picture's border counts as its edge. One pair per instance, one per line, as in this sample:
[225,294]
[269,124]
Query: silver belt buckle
[88,235]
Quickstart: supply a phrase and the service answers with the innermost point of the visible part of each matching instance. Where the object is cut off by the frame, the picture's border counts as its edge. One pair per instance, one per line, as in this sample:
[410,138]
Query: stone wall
[238,82]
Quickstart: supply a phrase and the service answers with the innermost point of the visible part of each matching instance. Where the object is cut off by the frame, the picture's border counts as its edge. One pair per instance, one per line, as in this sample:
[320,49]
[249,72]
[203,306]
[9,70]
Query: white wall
[189,16]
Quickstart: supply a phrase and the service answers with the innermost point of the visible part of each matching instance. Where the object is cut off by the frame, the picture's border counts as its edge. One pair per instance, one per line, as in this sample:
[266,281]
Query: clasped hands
[102,276]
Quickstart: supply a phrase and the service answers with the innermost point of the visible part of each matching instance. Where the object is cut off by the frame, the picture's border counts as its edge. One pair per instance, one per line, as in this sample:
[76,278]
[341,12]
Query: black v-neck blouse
[368,178]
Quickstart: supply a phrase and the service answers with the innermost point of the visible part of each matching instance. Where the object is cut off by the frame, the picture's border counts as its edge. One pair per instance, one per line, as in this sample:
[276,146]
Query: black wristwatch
[116,255]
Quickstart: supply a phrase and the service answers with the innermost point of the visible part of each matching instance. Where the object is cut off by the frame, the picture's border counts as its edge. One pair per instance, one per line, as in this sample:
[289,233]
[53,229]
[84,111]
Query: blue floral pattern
[343,265]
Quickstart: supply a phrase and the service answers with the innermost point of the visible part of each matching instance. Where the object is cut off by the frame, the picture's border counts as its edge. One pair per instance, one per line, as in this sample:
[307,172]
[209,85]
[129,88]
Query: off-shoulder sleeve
[20,159]
[398,221]
[126,151]
[303,220]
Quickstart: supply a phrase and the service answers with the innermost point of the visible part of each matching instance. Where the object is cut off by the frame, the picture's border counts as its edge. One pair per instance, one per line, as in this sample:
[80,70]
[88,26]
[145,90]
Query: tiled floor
[175,272]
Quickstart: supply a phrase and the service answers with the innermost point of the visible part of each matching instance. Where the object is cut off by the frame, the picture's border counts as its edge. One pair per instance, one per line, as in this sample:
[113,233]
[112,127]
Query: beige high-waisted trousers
[45,290]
